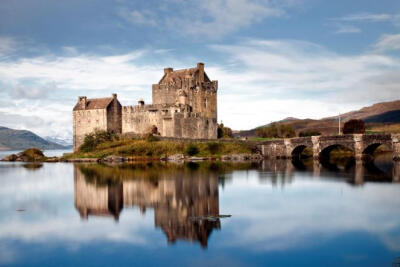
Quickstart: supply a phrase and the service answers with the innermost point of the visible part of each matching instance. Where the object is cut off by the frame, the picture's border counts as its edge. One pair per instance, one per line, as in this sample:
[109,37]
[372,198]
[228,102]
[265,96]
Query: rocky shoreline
[22,157]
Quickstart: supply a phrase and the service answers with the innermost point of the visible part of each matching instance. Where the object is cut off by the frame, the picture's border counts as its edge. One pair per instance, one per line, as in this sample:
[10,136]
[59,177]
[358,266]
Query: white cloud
[220,17]
[7,45]
[371,17]
[144,17]
[207,18]
[388,42]
[33,92]
[269,80]
[259,81]
[341,28]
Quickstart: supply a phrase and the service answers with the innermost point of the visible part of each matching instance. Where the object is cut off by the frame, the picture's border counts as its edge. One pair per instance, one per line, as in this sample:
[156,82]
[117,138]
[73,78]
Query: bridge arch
[298,150]
[326,150]
[371,148]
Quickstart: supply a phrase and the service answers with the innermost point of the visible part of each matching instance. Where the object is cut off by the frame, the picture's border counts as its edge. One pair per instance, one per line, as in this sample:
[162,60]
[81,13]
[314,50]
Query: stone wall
[170,120]
[114,116]
[87,121]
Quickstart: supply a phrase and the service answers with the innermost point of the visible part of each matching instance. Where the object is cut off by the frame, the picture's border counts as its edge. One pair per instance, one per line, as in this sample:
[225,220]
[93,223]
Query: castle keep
[184,106]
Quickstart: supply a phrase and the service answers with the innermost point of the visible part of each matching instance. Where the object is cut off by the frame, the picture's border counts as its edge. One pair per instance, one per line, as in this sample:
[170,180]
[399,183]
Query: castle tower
[201,92]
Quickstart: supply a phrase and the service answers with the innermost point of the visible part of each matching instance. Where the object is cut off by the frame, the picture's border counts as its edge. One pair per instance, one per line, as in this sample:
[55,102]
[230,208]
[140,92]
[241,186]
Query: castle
[184,106]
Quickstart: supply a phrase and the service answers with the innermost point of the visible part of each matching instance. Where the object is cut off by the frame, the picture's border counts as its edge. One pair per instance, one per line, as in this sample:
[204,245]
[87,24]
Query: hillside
[380,117]
[11,139]
[374,110]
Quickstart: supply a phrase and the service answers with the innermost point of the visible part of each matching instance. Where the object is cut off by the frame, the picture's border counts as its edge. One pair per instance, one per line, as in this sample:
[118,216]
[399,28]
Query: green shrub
[224,132]
[92,140]
[213,147]
[275,130]
[151,138]
[309,133]
[191,150]
[354,127]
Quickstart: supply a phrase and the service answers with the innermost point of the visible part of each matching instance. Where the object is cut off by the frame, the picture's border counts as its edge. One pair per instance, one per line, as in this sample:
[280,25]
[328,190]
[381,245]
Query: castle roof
[176,75]
[95,103]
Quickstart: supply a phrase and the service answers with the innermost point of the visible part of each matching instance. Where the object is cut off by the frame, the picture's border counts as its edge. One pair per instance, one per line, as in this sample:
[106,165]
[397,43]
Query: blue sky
[273,59]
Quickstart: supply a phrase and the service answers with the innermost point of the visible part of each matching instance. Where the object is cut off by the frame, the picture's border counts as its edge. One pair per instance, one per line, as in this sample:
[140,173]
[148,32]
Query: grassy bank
[142,148]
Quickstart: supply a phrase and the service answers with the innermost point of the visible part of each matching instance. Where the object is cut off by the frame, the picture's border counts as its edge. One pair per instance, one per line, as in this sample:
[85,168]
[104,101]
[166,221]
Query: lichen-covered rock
[113,158]
[242,157]
[176,157]
[11,157]
[29,155]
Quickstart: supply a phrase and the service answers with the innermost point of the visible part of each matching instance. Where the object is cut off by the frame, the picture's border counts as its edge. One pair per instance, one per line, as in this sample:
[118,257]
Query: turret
[82,100]
[200,67]
[168,70]
[141,102]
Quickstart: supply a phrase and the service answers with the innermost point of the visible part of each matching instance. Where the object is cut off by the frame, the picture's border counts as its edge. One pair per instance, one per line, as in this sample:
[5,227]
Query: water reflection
[178,194]
[283,213]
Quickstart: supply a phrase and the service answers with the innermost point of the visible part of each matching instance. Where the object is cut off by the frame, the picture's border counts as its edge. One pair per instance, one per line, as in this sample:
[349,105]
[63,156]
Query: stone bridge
[363,145]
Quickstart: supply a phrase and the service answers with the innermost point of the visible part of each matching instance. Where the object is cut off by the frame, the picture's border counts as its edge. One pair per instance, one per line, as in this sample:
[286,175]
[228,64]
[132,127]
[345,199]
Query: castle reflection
[180,194]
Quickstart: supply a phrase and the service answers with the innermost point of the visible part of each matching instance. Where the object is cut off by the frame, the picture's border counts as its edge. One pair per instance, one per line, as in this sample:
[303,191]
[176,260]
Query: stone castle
[184,106]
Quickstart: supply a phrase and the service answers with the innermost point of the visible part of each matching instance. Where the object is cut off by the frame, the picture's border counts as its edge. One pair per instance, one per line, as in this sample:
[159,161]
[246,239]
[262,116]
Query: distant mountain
[380,113]
[11,139]
[60,141]
[365,112]
[387,117]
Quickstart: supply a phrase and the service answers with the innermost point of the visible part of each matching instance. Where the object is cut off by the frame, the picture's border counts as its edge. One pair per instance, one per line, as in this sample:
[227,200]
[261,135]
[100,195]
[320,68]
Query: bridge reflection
[353,171]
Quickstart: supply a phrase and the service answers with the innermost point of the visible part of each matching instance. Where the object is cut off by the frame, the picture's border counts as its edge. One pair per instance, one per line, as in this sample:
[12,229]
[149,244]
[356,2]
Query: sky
[272,58]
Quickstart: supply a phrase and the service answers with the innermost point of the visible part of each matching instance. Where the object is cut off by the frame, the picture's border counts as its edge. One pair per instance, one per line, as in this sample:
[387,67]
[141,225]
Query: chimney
[141,102]
[168,70]
[200,67]
[82,101]
[114,96]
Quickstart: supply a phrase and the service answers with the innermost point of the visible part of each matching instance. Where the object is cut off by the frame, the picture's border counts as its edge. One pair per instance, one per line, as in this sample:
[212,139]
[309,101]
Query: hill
[11,139]
[380,117]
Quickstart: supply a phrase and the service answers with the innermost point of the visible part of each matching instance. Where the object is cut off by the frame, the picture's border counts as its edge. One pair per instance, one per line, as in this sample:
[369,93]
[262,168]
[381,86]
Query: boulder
[176,157]
[11,157]
[113,158]
[196,159]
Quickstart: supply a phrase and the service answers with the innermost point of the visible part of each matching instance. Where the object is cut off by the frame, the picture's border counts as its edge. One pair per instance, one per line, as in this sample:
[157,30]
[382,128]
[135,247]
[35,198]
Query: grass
[384,128]
[260,139]
[139,148]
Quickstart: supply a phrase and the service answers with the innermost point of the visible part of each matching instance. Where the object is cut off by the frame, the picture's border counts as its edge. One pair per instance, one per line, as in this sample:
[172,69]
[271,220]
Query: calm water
[283,214]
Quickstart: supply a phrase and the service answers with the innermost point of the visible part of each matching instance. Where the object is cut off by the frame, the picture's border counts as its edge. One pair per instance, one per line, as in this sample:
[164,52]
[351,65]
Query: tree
[275,130]
[354,127]
[224,132]
[309,133]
